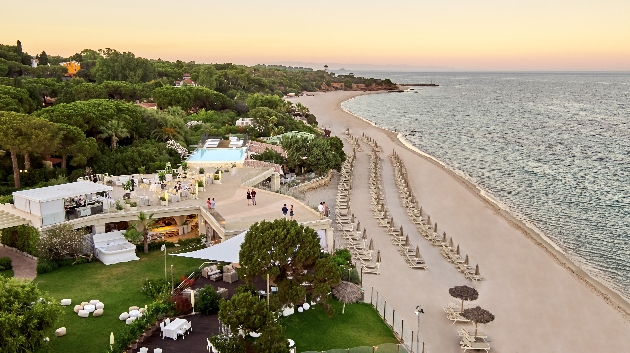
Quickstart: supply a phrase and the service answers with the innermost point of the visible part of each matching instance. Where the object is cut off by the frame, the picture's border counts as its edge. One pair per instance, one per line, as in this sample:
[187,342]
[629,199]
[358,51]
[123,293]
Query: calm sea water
[553,148]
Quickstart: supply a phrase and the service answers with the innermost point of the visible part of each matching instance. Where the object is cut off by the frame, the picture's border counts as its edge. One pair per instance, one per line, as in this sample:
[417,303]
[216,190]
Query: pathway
[23,267]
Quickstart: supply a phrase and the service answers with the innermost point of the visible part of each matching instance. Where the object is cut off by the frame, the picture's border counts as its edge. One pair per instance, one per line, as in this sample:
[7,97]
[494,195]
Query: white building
[244,122]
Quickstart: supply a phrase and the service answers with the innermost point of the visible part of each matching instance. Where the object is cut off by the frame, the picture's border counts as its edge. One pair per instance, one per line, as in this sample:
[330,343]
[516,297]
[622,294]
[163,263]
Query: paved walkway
[23,267]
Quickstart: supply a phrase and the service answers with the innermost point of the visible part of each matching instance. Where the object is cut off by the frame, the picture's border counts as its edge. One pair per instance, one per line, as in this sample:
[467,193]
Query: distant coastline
[610,296]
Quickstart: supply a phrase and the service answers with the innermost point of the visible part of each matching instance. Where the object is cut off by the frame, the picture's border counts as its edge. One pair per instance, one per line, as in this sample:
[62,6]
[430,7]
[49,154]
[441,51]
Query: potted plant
[217,179]
[126,205]
[127,187]
[162,179]
[200,184]
[163,201]
[202,171]
[133,206]
[134,344]
[119,206]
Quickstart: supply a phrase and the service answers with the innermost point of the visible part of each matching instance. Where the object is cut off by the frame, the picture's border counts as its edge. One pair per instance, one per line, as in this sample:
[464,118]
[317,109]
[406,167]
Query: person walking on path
[291,212]
[212,205]
[285,210]
[249,197]
[253,193]
[209,205]
[325,209]
[320,208]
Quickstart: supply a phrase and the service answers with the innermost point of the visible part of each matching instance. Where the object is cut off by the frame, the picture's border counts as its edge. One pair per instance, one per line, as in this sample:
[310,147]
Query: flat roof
[57,192]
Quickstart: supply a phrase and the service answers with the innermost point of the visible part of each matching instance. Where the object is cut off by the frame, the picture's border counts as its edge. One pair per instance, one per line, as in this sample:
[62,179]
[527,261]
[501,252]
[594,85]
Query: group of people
[211,204]
[285,210]
[251,197]
[323,210]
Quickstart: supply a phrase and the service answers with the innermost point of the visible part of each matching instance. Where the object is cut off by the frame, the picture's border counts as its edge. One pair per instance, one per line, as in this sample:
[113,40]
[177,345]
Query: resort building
[185,81]
[244,122]
[72,66]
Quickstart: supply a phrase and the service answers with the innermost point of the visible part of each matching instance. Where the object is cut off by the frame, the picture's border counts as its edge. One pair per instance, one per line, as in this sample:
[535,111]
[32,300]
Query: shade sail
[226,251]
[63,191]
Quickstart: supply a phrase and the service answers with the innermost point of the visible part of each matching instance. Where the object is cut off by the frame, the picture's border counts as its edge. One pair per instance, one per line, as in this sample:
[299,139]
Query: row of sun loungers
[354,142]
[410,255]
[425,227]
[370,141]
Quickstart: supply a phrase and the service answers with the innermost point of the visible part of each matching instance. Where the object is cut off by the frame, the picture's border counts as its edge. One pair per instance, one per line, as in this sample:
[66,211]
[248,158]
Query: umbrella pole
[476,327]
[462,305]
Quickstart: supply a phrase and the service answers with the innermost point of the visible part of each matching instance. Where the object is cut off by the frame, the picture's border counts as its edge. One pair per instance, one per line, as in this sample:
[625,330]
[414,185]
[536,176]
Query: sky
[466,35]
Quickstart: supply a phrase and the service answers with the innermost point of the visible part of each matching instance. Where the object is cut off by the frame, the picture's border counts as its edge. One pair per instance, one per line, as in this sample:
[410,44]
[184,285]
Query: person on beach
[291,212]
[253,193]
[249,197]
[320,208]
[285,210]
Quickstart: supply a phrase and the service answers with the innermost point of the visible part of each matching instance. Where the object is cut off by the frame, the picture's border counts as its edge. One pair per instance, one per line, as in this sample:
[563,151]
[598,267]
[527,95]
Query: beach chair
[454,316]
[464,333]
[371,269]
[468,344]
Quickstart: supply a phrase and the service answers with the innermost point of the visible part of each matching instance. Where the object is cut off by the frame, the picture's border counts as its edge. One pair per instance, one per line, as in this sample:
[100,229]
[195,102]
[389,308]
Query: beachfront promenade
[539,305]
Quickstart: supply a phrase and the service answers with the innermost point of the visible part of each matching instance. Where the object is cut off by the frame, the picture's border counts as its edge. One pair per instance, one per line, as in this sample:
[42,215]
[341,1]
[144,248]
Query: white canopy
[63,191]
[226,251]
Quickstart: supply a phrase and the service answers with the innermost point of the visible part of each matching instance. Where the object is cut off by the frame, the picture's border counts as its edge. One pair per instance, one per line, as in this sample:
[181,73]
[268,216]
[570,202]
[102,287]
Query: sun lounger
[467,344]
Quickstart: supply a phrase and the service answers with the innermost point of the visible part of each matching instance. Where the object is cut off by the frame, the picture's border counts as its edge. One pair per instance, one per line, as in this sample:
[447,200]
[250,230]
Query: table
[171,329]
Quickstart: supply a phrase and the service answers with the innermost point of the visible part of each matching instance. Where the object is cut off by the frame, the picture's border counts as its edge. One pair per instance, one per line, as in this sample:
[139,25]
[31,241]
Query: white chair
[162,329]
[209,346]
[144,350]
[180,332]
[167,321]
[189,326]
[157,350]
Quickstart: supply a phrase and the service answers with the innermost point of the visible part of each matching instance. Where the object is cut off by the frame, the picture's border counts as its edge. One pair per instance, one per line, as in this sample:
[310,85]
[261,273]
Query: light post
[164,249]
[418,312]
[172,283]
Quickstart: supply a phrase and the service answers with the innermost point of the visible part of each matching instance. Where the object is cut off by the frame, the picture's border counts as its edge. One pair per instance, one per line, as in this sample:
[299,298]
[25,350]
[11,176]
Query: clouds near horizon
[457,34]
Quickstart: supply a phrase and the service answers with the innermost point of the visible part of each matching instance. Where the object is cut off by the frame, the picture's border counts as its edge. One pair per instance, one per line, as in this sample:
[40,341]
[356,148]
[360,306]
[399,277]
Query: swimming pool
[218,155]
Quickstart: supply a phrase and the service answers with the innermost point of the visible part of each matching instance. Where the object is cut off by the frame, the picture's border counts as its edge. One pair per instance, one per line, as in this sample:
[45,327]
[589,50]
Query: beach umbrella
[192,299]
[466,261]
[391,222]
[417,252]
[378,257]
[371,247]
[420,211]
[477,270]
[359,225]
[478,316]
[450,243]
[364,234]
[435,228]
[111,339]
[401,230]
[347,292]
[457,249]
[407,244]
[382,206]
[464,293]
[352,218]
[429,219]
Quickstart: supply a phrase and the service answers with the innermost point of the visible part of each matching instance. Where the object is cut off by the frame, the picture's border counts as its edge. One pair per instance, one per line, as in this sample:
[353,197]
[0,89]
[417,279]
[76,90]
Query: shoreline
[609,295]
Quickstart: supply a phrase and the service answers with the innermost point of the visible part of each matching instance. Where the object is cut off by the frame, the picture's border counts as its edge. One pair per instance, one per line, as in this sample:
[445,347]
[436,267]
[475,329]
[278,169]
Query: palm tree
[144,224]
[114,129]
[170,129]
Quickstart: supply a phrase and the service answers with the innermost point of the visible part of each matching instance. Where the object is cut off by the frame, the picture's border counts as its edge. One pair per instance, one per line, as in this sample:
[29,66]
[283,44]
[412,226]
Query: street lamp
[418,312]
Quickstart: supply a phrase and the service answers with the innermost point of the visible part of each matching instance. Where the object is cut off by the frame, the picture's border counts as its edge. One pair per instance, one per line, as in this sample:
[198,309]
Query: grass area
[361,325]
[7,273]
[117,286]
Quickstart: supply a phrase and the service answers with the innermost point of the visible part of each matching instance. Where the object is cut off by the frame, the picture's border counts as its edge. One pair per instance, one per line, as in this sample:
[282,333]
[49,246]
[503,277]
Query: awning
[226,251]
[63,191]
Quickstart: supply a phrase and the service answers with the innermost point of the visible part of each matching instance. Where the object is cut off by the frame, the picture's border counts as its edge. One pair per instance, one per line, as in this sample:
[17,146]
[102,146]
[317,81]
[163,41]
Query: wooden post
[393,319]
[372,295]
[411,342]
[385,311]
[402,330]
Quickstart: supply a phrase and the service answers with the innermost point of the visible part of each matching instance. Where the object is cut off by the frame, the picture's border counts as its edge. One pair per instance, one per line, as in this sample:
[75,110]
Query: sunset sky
[570,35]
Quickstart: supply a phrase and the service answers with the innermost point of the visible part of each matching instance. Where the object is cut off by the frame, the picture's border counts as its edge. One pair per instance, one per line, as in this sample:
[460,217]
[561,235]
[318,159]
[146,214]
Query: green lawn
[7,273]
[117,286]
[361,325]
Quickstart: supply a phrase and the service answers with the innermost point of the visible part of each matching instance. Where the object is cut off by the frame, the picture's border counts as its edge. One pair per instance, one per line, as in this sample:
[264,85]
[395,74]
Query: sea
[552,148]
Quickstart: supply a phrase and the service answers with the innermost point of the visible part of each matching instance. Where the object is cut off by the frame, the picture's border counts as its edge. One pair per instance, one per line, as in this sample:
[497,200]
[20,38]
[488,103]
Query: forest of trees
[93,119]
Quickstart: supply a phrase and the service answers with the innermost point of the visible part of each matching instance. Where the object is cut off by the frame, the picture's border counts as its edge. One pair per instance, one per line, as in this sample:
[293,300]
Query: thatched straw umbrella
[417,252]
[378,257]
[371,247]
[457,252]
[477,270]
[464,293]
[347,292]
[401,230]
[466,261]
[407,244]
[358,225]
[478,316]
[364,234]
[435,228]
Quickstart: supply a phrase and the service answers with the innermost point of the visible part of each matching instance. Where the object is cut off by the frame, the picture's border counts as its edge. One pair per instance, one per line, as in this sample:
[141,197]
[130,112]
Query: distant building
[34,62]
[185,81]
[148,105]
[72,66]
[244,122]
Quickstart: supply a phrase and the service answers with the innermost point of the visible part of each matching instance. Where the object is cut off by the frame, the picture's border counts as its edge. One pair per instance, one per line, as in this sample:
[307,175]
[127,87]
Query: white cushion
[306,306]
[84,313]
[84,303]
[100,305]
[66,302]
[94,301]
[134,313]
[132,308]
[157,350]
[288,311]
[124,316]
[89,308]
[98,312]
[77,308]
[60,332]
[300,309]
[144,350]
[129,321]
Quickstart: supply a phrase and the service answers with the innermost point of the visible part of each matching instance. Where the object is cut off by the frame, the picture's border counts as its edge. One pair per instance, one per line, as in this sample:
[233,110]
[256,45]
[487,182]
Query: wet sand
[542,302]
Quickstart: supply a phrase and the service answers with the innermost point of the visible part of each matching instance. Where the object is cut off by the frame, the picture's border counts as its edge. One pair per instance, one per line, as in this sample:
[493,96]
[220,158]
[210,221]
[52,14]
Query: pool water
[218,155]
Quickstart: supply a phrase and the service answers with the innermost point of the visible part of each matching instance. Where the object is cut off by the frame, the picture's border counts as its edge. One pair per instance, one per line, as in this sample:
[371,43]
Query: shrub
[45,266]
[202,171]
[246,288]
[195,271]
[23,238]
[5,263]
[350,274]
[182,304]
[6,199]
[208,300]
[155,245]
[156,288]
[342,257]
[61,242]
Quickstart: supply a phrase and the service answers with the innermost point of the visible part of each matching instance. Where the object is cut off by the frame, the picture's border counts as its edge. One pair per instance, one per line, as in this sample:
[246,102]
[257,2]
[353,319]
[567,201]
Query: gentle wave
[554,150]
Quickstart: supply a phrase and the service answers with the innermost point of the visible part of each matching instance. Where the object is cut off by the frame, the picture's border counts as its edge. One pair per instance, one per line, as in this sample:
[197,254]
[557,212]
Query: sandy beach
[541,301]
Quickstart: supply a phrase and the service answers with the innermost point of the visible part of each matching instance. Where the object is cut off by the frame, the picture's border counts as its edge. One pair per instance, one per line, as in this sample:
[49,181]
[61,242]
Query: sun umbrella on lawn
[347,292]
[464,293]
[478,316]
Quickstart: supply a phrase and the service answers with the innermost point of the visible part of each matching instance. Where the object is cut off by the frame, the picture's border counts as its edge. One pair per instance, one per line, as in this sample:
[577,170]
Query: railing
[404,331]
[381,348]
[259,178]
